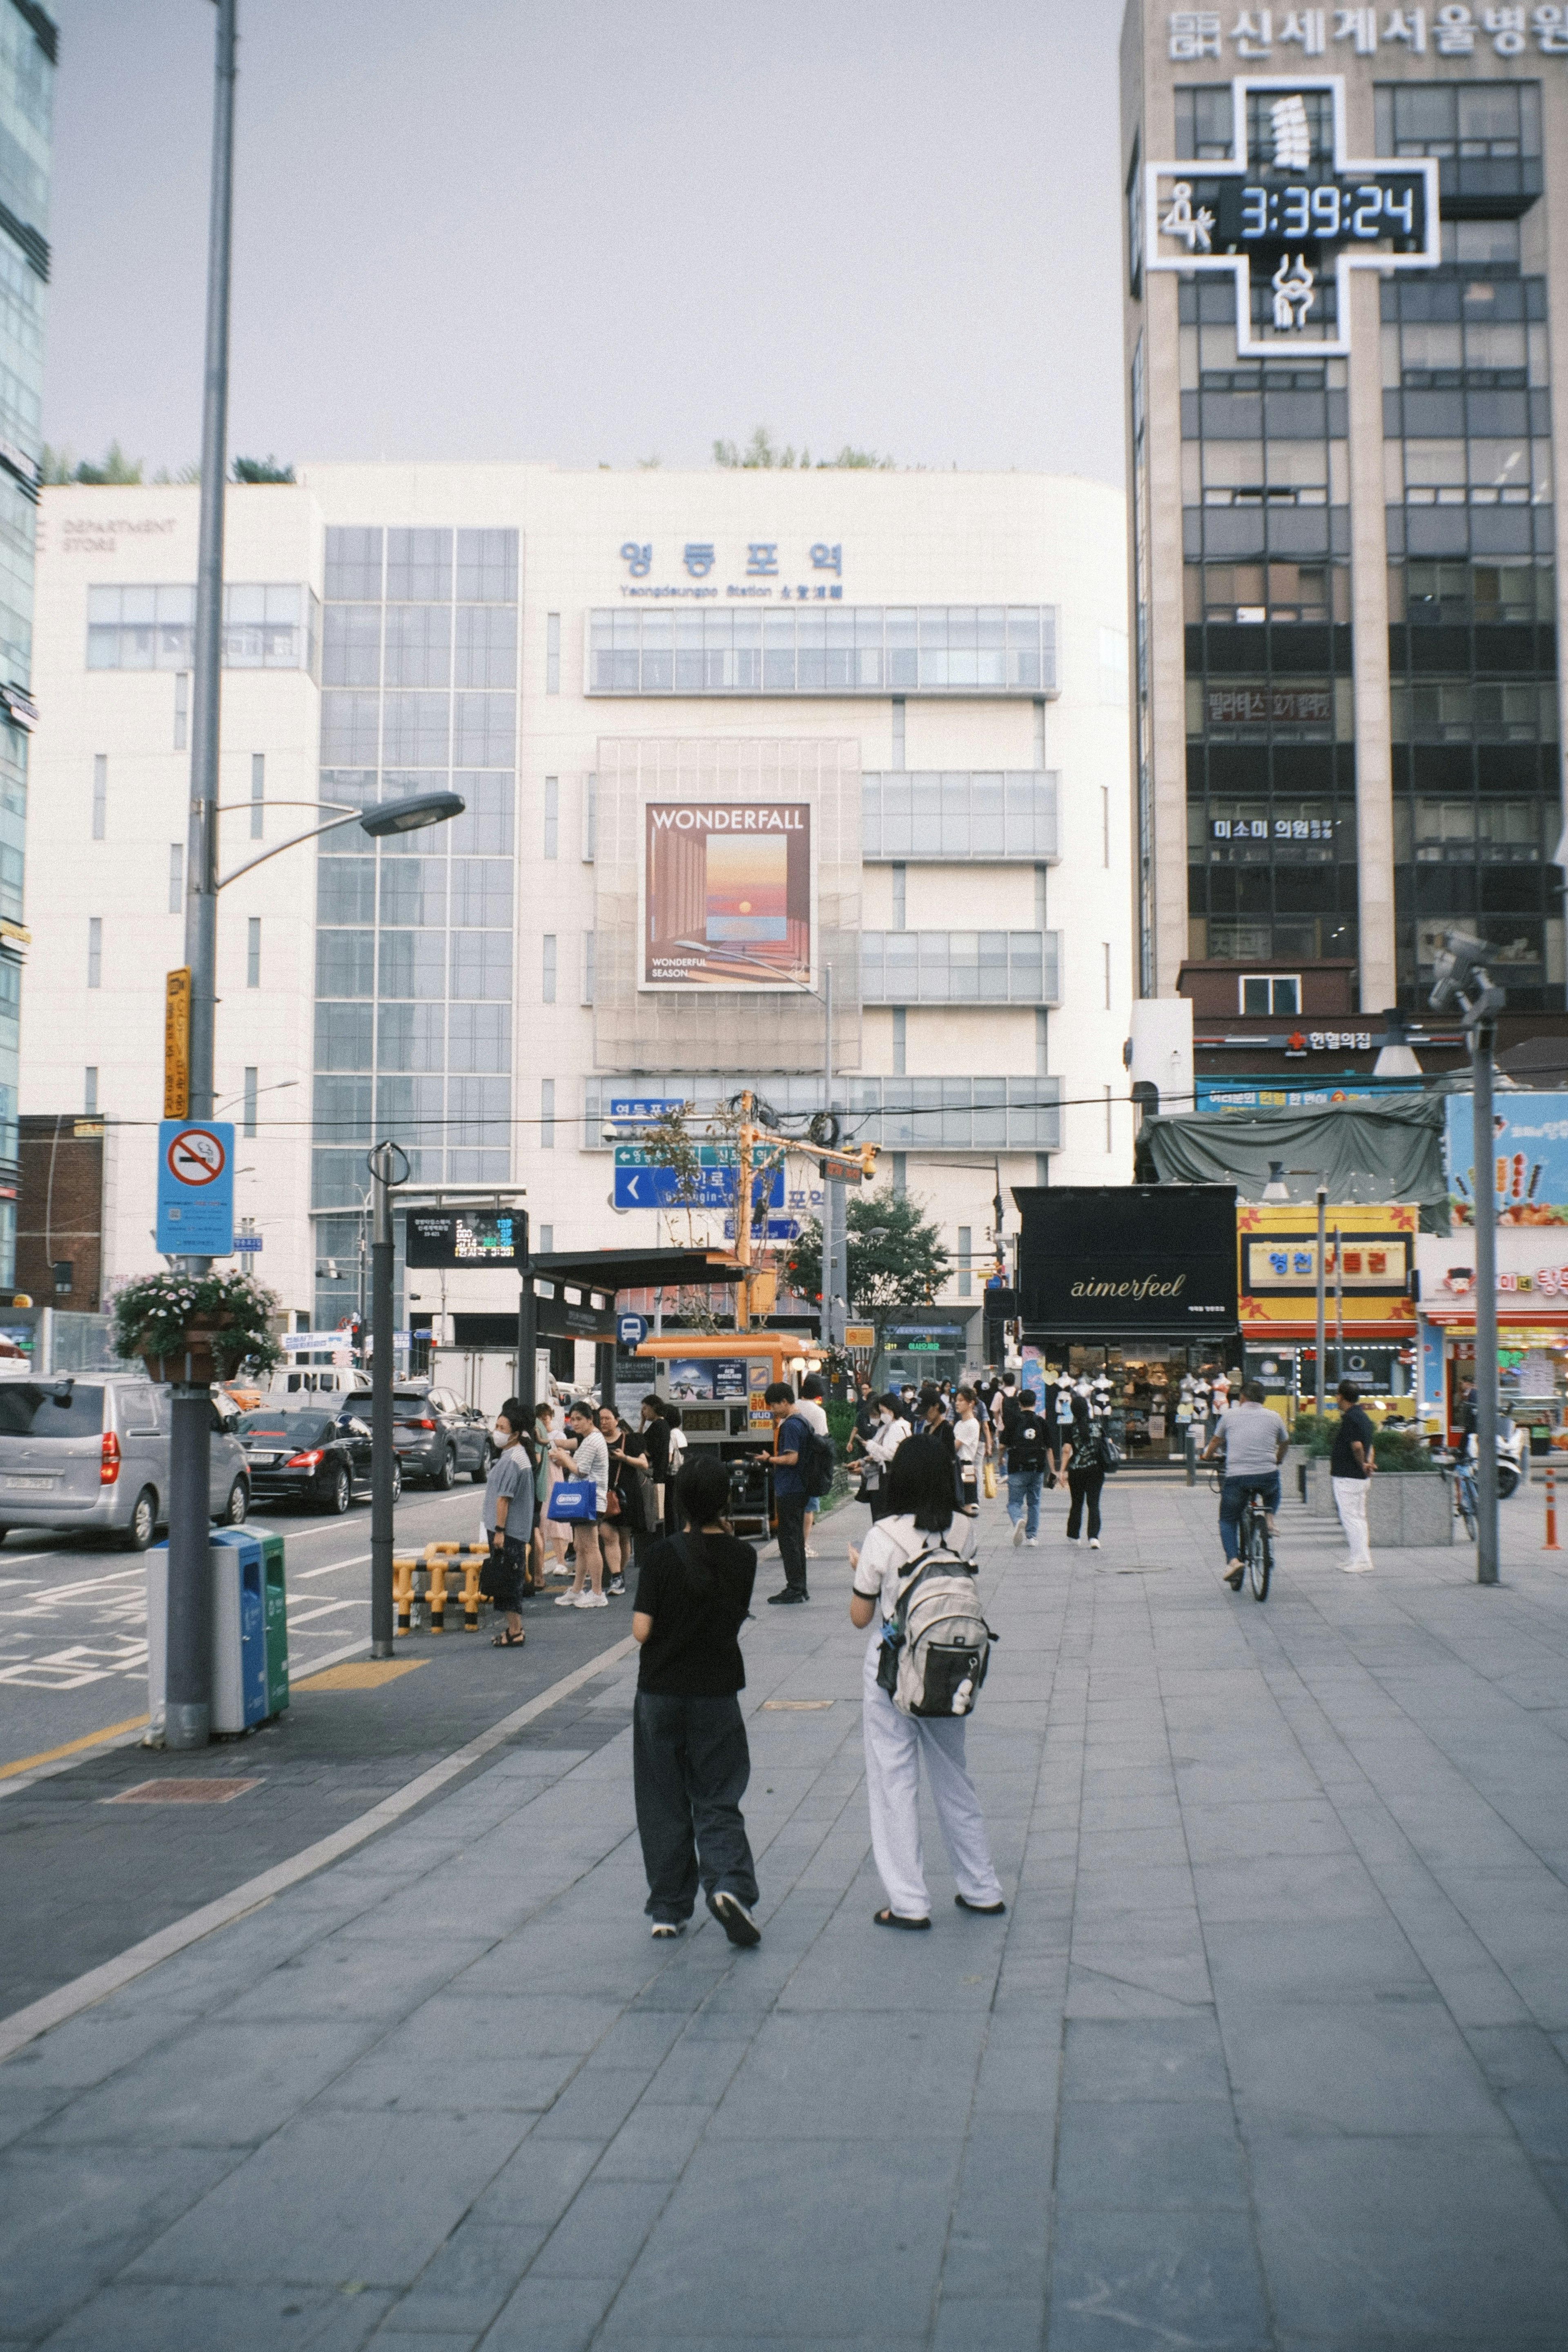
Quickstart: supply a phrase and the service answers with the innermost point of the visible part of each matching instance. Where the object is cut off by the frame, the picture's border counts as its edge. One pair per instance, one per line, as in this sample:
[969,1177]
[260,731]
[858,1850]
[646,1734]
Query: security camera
[1462,984]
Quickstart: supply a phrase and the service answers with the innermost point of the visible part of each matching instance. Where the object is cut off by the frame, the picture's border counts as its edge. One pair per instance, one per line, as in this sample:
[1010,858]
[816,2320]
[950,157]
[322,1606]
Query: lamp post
[1464,985]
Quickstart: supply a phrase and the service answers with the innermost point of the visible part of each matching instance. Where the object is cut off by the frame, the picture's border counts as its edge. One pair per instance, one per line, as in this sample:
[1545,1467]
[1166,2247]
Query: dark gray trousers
[691,1765]
[790,1511]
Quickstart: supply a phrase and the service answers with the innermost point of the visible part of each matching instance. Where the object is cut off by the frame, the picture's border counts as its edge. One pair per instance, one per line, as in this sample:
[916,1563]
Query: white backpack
[936,1646]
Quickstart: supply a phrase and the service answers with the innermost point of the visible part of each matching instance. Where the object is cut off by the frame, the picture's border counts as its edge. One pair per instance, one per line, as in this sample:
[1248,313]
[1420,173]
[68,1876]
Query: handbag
[573,1498]
[988,1480]
[500,1572]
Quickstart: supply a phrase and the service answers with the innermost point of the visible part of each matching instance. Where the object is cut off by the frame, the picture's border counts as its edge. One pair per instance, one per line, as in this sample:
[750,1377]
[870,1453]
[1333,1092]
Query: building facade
[1345,296]
[28,44]
[720,737]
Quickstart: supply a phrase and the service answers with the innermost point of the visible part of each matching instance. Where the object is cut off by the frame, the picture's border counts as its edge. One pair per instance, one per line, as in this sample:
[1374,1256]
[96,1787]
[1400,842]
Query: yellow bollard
[471,1593]
[403,1566]
[437,1556]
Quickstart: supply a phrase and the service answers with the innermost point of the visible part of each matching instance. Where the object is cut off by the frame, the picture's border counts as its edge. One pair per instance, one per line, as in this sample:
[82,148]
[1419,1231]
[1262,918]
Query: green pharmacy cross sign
[1291,214]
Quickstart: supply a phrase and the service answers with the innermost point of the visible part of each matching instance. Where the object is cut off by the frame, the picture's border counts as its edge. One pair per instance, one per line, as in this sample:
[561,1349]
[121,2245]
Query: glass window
[480,1037]
[350,728]
[1271,993]
[481,892]
[411,964]
[487,567]
[410,1036]
[343,1036]
[354,564]
[485,827]
[345,963]
[485,731]
[481,965]
[955,815]
[992,650]
[486,645]
[1204,123]
[417,730]
[418,567]
[419,645]
[413,892]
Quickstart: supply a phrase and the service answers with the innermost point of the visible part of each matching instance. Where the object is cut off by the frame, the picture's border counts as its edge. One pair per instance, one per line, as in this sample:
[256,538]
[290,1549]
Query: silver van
[91,1457]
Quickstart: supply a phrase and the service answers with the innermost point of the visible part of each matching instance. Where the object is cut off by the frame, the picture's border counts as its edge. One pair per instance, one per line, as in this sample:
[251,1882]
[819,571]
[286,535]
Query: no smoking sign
[195,1188]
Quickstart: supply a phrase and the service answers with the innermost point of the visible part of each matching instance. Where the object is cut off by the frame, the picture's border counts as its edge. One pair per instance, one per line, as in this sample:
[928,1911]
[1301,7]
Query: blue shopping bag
[573,1498]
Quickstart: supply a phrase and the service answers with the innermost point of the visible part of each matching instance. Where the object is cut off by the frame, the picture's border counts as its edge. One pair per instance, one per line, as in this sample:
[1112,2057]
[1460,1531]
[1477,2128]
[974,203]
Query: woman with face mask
[882,1444]
[508,1517]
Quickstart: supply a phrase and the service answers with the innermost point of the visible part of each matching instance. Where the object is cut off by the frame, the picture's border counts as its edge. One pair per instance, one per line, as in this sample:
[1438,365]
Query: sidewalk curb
[24,2025]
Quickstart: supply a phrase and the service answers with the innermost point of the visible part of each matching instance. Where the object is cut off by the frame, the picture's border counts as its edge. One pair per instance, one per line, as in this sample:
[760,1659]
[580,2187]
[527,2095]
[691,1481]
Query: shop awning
[1362,1151]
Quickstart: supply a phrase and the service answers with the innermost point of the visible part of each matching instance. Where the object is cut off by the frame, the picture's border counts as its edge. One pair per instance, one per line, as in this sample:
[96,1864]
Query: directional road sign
[195,1188]
[708,1155]
[660,1188]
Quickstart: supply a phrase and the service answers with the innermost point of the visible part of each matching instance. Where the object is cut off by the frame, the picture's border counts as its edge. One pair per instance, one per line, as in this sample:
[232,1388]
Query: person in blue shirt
[791,1494]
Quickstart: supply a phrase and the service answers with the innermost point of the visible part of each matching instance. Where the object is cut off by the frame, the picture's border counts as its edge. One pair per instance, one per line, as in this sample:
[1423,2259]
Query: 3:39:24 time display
[1328,212]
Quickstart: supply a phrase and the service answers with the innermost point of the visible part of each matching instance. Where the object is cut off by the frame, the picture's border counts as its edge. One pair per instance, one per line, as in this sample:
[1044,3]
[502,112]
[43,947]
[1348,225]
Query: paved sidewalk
[1272,2049]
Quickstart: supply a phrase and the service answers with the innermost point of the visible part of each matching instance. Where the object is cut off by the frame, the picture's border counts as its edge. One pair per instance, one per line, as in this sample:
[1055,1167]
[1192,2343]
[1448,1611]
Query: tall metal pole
[829,1204]
[1483,1034]
[1339,1310]
[1322,1282]
[382,1459]
[187,1719]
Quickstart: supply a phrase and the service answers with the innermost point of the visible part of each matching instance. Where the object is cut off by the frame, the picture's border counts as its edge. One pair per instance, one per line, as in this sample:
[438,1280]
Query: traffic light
[867,1160]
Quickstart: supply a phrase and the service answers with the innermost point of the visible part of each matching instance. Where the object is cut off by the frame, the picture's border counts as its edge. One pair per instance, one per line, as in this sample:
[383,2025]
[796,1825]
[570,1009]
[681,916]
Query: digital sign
[726,897]
[466,1237]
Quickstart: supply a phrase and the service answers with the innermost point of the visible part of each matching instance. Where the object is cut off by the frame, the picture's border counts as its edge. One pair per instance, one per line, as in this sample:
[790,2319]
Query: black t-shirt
[655,1445]
[694,1650]
[1354,1424]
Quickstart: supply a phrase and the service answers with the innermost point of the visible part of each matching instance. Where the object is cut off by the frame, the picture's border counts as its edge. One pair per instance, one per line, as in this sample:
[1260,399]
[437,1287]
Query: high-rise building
[28,48]
[719,736]
[1346,298]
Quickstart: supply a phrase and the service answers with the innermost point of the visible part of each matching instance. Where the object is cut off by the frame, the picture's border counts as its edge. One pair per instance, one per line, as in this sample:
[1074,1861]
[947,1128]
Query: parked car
[303,1454]
[434,1432]
[91,1457]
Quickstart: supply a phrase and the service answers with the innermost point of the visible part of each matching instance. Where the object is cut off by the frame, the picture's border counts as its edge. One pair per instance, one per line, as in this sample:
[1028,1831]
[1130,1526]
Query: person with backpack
[912,1574]
[690,1760]
[1084,1458]
[1028,1459]
[797,1460]
[812,1409]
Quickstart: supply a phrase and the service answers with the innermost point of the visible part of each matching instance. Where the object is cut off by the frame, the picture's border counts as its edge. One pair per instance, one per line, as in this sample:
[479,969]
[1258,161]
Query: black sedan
[308,1457]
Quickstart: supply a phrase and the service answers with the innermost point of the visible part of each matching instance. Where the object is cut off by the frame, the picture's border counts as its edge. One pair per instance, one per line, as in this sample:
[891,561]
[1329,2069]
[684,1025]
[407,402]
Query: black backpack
[1026,1446]
[817,1463]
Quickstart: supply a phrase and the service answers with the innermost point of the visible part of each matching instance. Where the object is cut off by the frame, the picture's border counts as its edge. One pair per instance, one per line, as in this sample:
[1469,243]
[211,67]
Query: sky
[597,232]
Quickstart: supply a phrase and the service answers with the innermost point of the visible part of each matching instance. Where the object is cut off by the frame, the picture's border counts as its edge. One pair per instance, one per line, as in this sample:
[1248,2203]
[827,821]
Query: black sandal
[985,1910]
[505,1641]
[896,1919]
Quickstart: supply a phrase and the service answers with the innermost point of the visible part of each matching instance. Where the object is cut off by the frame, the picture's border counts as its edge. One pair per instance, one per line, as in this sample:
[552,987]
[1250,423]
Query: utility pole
[1464,985]
[743,1217]
[382,1459]
[1323,1288]
[832,1195]
[187,1719]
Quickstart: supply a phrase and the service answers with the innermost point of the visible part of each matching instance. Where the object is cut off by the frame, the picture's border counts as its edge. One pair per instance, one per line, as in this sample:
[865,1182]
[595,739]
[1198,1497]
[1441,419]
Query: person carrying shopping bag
[691,1761]
[920,1520]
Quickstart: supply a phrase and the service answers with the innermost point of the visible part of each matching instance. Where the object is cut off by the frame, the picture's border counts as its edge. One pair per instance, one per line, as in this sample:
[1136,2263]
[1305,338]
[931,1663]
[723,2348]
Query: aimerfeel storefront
[1131,1289]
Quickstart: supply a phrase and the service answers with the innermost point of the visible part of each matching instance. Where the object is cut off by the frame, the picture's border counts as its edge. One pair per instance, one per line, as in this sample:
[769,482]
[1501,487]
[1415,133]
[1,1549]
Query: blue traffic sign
[195,1188]
[661,1188]
[631,1330]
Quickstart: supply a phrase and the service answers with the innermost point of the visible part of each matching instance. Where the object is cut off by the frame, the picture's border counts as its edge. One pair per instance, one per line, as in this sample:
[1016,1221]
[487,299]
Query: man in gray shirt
[1254,1441]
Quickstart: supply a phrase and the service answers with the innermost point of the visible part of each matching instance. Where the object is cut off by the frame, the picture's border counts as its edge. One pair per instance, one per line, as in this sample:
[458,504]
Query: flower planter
[195,1364]
[1403,1506]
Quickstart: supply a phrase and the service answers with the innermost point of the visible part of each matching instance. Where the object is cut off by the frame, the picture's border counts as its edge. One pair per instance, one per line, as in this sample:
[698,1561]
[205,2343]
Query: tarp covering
[1362,1151]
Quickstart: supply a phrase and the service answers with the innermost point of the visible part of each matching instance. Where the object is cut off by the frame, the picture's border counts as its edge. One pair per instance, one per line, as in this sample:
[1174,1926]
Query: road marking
[71,1747]
[86,1991]
[326,1610]
[330,1568]
[368,1674]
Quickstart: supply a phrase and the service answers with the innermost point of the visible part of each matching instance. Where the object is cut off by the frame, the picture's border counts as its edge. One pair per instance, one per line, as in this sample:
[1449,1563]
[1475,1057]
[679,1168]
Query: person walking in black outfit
[1086,1471]
[691,1761]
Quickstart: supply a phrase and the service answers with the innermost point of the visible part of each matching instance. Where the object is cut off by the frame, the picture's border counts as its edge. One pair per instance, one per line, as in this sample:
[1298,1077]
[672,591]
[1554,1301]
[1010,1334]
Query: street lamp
[1464,985]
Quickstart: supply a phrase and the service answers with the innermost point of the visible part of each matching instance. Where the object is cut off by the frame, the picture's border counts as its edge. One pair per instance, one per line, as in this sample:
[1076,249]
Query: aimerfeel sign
[1112,1261]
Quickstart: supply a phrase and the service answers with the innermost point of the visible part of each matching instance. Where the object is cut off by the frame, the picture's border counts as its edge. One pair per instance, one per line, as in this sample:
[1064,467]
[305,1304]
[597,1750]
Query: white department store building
[900,696]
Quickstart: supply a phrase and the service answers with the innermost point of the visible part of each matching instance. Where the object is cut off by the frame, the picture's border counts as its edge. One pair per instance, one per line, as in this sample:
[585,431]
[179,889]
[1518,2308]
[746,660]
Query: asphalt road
[73,1616]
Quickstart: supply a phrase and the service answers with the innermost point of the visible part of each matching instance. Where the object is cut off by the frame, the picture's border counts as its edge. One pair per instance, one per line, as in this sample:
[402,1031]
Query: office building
[718,735]
[1346,244]
[28,43]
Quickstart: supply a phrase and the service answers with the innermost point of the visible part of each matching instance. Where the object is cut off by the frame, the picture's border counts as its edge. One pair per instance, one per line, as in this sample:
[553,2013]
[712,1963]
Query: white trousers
[895,1745]
[1349,1501]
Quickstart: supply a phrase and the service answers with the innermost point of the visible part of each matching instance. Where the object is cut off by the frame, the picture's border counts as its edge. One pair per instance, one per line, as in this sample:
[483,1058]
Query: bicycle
[1256,1540]
[1464,1471]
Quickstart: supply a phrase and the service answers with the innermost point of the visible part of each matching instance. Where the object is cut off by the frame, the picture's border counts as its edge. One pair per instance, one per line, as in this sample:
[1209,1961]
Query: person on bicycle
[1254,1441]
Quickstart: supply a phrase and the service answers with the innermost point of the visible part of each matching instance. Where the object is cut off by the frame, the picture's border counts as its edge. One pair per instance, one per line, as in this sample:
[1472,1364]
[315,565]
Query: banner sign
[1529,1159]
[1367,1277]
[726,895]
[453,1237]
[177,1043]
[195,1188]
[1102,1260]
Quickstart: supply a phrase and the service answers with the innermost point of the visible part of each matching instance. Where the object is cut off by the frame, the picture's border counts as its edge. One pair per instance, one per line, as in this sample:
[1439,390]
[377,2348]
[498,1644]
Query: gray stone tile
[1177,2279]
[988,2324]
[154,2317]
[363,2196]
[535,2187]
[1150,2156]
[227,2086]
[1423,2239]
[654,2143]
[70,2219]
[1364,2067]
[551,2314]
[816,2077]
[594,2104]
[349,1976]
[1153,2058]
[1316,1960]
[465,2281]
[599,2234]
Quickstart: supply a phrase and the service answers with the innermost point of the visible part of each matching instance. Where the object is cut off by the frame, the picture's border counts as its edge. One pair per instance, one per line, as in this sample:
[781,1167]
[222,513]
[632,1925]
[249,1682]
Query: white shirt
[886,1439]
[887,1550]
[968,1438]
[811,1413]
[592,1460]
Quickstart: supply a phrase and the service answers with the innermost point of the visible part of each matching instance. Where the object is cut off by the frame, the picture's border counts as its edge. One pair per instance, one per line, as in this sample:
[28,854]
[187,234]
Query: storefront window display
[1150,1390]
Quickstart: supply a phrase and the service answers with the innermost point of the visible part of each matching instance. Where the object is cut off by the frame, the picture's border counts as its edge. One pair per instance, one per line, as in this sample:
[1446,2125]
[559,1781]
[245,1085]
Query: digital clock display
[1391,209]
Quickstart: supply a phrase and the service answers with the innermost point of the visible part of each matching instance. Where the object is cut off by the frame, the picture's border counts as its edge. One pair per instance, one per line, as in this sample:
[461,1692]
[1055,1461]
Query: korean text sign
[1530,1160]
[727,894]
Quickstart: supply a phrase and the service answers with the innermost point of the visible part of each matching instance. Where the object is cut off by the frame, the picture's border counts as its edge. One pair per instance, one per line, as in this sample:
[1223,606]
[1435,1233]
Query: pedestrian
[656,1449]
[627,1518]
[1254,1441]
[889,1434]
[1349,1470]
[1028,1461]
[691,1761]
[969,1447]
[1084,1458]
[790,1495]
[812,1410]
[921,1518]
[507,1506]
[583,1453]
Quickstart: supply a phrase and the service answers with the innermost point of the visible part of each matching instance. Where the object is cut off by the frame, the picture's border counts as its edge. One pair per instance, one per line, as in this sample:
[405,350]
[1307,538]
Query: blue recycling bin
[239,1630]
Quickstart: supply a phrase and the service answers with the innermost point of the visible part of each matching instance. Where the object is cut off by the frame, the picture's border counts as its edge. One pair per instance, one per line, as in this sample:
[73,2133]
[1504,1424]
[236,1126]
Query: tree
[887,1277]
[55,466]
[761,452]
[261,469]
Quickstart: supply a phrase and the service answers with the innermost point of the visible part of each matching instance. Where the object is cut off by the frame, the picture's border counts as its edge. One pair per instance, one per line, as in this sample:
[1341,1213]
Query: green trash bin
[275,1608]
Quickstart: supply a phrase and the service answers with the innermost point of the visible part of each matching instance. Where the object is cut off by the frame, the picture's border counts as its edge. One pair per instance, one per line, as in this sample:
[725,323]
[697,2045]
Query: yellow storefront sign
[1368,1263]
